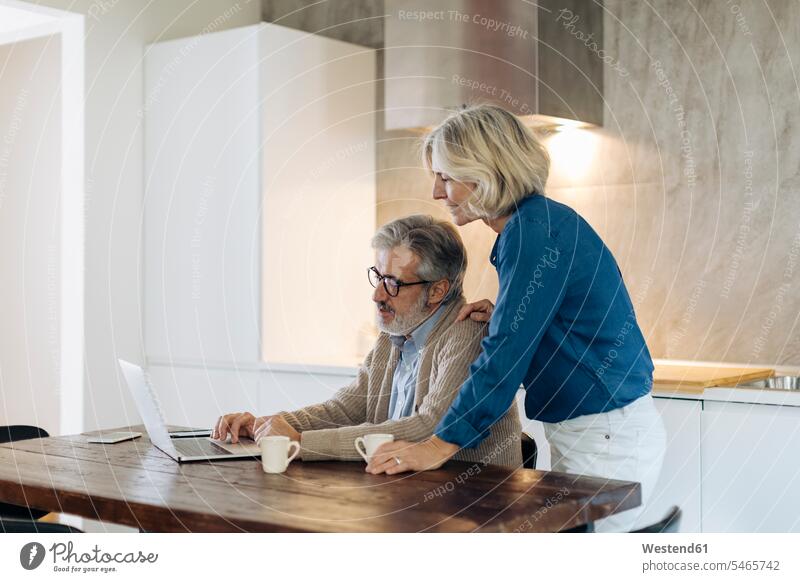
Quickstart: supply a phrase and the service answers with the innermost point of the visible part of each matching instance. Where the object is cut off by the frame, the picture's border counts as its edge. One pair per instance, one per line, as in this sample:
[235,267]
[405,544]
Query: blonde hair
[491,147]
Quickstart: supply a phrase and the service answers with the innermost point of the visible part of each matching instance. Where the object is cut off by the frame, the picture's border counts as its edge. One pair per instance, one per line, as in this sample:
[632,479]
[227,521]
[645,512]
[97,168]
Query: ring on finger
[398,461]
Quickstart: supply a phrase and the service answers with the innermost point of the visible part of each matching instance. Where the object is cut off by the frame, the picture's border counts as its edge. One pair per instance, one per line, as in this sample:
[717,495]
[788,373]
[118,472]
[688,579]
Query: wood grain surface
[135,484]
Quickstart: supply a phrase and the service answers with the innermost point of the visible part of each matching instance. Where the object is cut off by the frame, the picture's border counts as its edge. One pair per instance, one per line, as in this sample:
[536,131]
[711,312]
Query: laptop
[181,449]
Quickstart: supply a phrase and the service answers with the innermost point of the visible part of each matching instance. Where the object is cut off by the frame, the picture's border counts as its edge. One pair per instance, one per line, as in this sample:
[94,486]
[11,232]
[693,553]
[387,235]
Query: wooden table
[135,484]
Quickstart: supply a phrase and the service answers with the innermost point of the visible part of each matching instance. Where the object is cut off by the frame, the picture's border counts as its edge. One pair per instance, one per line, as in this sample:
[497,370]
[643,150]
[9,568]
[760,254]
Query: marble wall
[694,180]
[356,21]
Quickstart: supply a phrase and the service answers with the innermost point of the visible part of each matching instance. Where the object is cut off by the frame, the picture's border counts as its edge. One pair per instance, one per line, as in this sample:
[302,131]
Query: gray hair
[437,244]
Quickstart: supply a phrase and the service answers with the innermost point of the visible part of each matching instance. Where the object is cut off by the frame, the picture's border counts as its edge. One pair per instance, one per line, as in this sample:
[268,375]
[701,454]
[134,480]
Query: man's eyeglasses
[390,284]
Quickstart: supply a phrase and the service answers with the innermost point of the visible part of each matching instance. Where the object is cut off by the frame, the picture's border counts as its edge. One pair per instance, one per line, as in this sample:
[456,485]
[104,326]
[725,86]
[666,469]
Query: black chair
[670,524]
[17,433]
[31,526]
[529,451]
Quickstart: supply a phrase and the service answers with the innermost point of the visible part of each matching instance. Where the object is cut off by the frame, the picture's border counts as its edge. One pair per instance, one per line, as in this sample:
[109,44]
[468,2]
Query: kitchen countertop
[743,394]
[731,394]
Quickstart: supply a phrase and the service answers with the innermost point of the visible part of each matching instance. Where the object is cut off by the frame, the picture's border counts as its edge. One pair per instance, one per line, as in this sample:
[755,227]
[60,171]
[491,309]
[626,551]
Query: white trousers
[626,444]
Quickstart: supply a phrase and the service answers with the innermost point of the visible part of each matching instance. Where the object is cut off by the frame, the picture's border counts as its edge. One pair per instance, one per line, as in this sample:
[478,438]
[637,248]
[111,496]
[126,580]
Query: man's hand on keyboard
[237,424]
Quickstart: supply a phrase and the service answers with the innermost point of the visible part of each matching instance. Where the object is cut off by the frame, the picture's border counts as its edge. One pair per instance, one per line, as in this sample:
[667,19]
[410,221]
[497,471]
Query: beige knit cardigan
[329,429]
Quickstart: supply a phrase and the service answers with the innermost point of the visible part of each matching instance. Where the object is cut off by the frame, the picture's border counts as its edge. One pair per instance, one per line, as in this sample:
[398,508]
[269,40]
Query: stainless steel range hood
[543,60]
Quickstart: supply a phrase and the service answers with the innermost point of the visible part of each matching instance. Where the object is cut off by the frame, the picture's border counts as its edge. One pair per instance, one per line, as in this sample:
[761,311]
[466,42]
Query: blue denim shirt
[564,327]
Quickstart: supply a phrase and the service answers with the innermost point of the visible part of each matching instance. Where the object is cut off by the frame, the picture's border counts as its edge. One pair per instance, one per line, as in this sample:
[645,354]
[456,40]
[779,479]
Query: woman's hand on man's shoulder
[477,311]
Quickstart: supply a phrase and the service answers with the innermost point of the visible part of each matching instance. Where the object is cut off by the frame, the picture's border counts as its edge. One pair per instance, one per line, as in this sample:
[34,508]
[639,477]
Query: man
[418,363]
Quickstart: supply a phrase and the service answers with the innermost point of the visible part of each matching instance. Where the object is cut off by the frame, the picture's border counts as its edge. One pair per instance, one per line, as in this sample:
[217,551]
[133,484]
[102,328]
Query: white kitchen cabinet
[202,198]
[679,482]
[260,197]
[751,467]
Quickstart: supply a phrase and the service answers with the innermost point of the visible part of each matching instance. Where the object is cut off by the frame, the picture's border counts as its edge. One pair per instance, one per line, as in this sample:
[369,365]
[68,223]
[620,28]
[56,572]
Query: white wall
[30,189]
[116,34]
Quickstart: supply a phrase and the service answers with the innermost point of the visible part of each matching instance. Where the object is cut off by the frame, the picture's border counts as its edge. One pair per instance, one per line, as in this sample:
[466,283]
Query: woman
[564,326]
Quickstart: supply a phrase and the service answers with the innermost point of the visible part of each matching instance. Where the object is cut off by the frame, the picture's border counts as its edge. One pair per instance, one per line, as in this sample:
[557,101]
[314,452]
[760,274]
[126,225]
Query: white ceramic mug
[275,455]
[371,442]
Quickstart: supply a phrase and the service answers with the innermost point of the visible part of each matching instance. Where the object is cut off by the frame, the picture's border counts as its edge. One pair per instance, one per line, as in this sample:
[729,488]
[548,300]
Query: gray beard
[408,322]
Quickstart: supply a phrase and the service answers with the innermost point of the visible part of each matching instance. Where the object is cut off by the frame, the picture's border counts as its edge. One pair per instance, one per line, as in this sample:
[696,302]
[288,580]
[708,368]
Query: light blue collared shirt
[404,381]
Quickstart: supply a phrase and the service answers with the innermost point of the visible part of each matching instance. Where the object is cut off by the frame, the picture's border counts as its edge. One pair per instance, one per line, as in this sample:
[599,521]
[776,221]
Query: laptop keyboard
[198,448]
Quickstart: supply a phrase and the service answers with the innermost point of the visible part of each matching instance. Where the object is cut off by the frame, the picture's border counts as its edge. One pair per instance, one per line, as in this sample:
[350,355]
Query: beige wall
[706,229]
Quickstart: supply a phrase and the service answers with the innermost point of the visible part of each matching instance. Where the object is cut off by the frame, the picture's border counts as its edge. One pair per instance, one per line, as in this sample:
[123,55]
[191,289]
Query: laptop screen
[147,403]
